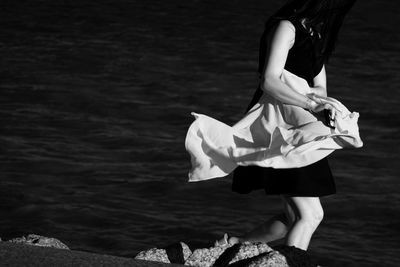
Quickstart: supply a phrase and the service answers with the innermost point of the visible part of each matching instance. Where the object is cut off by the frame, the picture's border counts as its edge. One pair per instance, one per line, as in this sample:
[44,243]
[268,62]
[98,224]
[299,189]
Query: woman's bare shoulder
[285,31]
[285,24]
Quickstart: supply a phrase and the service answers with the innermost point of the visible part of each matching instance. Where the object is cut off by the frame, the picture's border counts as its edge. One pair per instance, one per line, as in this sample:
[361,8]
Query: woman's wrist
[318,90]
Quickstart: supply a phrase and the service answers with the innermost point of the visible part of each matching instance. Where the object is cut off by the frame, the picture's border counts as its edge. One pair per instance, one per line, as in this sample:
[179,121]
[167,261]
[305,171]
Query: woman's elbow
[268,84]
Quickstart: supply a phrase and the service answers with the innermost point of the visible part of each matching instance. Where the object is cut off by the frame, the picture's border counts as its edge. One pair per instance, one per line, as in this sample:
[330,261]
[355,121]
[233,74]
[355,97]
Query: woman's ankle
[296,256]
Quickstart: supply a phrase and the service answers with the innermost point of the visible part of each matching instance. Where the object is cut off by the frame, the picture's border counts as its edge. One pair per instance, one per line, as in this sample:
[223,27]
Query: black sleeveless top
[304,58]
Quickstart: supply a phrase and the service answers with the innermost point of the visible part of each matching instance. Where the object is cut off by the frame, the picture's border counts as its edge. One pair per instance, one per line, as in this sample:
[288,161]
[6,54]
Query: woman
[300,38]
[290,126]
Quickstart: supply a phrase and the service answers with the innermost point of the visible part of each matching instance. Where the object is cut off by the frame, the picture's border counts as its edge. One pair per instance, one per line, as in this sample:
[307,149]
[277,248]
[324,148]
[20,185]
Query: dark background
[95,102]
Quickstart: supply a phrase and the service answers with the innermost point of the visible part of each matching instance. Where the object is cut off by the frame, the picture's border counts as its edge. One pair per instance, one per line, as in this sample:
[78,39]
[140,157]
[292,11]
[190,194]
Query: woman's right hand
[315,104]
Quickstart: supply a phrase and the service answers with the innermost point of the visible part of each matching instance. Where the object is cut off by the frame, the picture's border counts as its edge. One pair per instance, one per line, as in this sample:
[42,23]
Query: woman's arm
[282,40]
[320,83]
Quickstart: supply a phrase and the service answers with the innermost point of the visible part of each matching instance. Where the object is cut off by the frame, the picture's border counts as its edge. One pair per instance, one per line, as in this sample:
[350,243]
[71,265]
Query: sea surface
[95,102]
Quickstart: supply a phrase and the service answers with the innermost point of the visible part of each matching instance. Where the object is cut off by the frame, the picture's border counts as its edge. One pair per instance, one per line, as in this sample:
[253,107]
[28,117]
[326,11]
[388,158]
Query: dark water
[95,103]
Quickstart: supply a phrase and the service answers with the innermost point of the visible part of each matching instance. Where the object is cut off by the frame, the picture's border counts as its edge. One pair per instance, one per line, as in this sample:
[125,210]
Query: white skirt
[271,134]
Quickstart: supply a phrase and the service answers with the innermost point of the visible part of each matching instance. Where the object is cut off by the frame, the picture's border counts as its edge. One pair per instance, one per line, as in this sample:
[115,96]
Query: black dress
[314,180]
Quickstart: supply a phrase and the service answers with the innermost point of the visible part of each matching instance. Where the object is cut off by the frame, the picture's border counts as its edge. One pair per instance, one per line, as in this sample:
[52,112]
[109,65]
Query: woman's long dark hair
[325,17]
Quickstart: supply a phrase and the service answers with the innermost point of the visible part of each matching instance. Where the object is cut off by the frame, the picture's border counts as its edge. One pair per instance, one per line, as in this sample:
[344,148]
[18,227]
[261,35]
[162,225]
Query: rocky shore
[233,255]
[36,250]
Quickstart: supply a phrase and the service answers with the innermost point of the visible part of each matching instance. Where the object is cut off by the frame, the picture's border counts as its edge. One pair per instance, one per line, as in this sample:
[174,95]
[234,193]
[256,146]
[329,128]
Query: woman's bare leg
[273,229]
[309,214]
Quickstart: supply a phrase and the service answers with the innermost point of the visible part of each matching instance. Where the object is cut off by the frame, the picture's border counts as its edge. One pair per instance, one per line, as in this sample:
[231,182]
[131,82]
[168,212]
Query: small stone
[186,251]
[153,254]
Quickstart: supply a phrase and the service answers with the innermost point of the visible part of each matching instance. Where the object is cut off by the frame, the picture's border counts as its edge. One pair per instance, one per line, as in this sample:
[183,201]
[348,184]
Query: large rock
[244,254]
[41,241]
[226,254]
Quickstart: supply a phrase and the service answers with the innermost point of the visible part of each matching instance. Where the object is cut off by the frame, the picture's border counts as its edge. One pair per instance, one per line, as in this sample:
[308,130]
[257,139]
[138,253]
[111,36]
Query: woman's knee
[309,211]
[314,216]
[317,215]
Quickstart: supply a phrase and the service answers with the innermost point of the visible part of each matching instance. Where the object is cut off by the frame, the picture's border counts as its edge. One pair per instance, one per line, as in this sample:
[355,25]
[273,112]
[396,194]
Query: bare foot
[225,240]
[234,240]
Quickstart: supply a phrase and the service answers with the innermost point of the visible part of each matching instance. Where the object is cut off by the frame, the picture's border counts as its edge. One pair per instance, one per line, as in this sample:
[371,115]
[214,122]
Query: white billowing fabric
[271,134]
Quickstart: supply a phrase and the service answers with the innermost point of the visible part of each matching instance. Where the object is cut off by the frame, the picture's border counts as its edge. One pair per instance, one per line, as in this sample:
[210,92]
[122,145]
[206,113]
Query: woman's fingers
[315,98]
[326,103]
[333,102]
[332,114]
[333,111]
[336,106]
[326,100]
[320,107]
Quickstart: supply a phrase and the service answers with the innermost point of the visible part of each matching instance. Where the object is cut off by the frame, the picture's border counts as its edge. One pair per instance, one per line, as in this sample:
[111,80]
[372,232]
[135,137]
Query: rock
[247,254]
[244,254]
[231,255]
[41,241]
[161,255]
[153,254]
